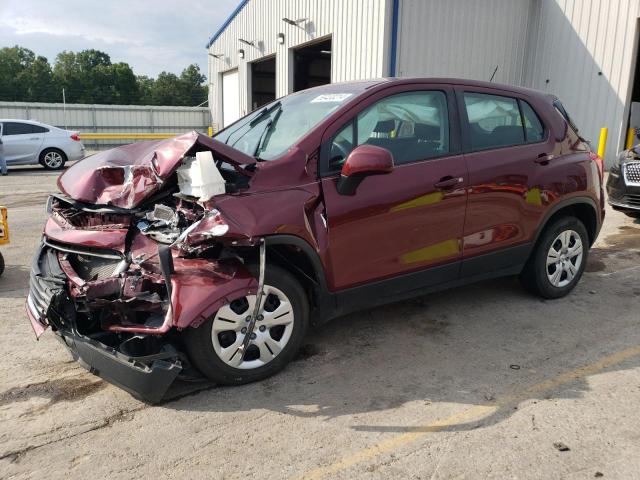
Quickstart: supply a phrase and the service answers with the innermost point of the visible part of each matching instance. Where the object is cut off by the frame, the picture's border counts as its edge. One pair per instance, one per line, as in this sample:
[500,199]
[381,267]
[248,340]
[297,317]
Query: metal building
[584,51]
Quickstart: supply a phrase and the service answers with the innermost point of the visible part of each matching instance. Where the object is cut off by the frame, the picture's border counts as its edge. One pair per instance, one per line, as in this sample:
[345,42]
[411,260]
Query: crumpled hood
[125,176]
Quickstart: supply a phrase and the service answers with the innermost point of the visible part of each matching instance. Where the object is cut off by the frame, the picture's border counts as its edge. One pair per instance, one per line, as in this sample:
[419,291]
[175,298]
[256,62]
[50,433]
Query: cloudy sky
[150,35]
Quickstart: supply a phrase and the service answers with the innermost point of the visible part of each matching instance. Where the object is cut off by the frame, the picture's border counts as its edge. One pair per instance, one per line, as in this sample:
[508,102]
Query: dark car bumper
[146,377]
[622,195]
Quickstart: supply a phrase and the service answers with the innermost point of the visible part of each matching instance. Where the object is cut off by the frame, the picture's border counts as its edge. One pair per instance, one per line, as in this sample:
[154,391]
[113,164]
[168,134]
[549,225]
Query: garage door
[230,97]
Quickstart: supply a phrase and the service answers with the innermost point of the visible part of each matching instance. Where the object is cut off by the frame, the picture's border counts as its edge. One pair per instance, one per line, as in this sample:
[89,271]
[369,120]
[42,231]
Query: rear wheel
[1,264]
[214,347]
[560,257]
[53,159]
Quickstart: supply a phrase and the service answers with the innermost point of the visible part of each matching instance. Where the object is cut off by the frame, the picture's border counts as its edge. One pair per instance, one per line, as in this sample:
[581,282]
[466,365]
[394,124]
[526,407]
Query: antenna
[494,73]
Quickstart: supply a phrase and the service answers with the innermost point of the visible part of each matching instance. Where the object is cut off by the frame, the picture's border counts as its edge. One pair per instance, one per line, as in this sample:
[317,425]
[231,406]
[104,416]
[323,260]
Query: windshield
[273,129]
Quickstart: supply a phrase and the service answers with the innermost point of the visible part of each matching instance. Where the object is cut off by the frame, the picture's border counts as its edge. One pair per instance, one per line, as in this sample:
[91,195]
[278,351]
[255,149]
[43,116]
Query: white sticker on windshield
[331,98]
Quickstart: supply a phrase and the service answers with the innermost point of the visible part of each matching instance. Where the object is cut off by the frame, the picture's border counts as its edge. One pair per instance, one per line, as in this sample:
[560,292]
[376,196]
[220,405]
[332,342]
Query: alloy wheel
[53,160]
[564,258]
[273,328]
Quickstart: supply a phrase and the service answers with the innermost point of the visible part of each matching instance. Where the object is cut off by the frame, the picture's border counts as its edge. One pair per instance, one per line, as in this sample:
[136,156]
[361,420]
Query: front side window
[15,128]
[412,126]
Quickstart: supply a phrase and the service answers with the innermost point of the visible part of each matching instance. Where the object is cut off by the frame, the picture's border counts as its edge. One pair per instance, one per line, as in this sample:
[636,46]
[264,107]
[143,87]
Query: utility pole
[64,109]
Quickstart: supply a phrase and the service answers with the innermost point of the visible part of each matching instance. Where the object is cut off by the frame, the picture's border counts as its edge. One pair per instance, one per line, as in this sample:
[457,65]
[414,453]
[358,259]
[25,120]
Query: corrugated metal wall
[111,118]
[358,29]
[463,39]
[584,52]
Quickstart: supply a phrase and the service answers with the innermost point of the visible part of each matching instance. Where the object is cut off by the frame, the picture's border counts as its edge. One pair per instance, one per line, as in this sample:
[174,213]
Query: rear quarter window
[39,129]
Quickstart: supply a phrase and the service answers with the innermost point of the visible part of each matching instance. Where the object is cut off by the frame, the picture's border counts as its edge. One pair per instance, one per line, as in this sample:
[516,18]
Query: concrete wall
[359,31]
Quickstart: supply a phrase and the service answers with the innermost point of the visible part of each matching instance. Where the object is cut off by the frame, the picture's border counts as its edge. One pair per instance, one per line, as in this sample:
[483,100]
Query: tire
[202,343]
[553,280]
[53,159]
[1,264]
[632,214]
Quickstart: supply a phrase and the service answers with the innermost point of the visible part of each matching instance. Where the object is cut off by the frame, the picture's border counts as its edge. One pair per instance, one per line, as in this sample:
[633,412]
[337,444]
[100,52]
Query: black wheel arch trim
[569,202]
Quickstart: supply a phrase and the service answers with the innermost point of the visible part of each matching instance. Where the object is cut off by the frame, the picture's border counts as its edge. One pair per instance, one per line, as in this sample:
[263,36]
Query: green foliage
[90,77]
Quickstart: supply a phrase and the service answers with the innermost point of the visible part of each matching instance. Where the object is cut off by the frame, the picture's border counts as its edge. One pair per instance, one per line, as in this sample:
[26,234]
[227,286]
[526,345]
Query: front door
[406,221]
[21,142]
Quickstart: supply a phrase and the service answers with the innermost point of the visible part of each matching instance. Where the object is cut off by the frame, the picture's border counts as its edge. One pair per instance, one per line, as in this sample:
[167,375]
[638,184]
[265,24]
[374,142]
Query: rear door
[409,221]
[505,144]
[22,142]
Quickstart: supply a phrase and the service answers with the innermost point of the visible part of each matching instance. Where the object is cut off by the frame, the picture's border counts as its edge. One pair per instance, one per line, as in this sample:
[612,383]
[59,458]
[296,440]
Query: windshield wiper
[259,118]
[268,129]
[265,112]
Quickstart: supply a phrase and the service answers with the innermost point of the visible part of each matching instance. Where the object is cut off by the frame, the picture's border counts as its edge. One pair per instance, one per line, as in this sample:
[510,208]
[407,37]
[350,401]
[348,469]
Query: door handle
[544,158]
[448,182]
[34,138]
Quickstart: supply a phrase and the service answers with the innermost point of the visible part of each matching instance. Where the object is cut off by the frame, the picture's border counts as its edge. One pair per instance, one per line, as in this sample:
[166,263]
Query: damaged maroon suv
[159,259]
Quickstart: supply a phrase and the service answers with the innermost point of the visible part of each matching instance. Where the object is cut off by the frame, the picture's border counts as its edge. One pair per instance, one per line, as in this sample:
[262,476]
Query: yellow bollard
[602,145]
[631,138]
[210,131]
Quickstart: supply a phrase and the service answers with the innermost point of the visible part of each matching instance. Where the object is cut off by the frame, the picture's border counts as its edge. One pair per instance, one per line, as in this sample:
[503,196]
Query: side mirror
[363,161]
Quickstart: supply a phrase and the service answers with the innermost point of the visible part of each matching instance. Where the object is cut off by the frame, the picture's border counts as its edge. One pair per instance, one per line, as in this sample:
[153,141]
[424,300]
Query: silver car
[27,142]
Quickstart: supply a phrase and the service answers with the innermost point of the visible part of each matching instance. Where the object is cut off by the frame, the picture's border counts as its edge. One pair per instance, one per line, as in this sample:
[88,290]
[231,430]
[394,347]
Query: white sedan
[27,142]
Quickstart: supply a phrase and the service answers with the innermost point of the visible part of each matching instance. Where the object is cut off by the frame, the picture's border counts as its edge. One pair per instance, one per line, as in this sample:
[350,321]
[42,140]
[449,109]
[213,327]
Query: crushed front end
[117,284]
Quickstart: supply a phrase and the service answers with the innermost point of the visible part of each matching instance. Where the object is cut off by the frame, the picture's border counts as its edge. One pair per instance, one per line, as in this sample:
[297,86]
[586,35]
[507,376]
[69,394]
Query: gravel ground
[483,381]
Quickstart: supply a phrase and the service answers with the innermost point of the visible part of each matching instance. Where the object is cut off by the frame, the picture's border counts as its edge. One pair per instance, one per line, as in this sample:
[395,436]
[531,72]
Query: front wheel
[559,259]
[214,347]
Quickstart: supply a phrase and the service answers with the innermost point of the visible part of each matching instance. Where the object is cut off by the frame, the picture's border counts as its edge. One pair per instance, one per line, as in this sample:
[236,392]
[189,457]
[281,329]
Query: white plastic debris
[199,177]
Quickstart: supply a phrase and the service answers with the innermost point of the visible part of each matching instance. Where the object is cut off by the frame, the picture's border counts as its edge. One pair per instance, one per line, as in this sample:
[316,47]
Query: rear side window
[412,126]
[563,111]
[534,129]
[15,128]
[496,121]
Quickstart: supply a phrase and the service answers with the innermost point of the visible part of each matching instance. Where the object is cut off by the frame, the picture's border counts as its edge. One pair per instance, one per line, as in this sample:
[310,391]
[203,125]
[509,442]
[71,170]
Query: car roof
[387,81]
[21,120]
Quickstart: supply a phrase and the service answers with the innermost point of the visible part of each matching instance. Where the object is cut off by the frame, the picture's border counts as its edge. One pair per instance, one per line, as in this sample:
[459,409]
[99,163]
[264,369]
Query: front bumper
[622,196]
[146,377]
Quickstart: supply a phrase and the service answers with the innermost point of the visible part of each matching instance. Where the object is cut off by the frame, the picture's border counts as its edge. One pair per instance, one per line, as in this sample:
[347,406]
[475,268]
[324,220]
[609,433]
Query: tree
[193,90]
[89,76]
[167,90]
[145,90]
[125,85]
[85,76]
[39,82]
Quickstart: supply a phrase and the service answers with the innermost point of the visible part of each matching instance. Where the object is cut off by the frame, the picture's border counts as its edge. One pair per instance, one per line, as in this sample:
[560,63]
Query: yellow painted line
[472,414]
[126,136]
